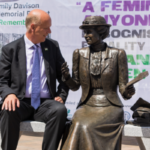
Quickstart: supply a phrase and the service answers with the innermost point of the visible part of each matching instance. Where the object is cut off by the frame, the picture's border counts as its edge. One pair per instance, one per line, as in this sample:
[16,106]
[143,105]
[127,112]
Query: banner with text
[130,31]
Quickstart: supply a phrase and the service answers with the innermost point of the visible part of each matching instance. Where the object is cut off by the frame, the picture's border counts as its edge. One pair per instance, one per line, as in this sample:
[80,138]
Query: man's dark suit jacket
[13,69]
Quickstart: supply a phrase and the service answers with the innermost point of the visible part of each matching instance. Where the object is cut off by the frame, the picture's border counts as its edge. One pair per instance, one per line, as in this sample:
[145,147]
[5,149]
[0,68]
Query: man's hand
[10,102]
[59,99]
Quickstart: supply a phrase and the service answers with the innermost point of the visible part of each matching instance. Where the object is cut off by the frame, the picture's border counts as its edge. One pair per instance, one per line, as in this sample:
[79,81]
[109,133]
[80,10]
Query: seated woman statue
[98,122]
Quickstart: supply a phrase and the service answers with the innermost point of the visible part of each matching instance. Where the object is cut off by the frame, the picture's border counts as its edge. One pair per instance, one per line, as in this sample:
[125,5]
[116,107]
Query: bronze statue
[98,122]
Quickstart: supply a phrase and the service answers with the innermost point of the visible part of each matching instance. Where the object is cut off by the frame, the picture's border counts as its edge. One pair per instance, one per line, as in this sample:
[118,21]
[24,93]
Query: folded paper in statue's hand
[138,78]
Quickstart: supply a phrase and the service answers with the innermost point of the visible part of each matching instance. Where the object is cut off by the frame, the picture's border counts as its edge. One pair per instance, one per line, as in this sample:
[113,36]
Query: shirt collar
[28,43]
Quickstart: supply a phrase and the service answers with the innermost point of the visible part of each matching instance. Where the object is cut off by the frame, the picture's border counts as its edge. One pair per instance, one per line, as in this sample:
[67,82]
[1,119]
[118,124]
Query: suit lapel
[84,71]
[86,65]
[108,56]
[22,59]
[46,55]
[85,54]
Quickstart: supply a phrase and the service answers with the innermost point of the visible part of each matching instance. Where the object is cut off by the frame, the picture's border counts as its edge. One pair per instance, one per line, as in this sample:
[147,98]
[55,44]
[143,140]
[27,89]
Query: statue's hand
[65,71]
[129,91]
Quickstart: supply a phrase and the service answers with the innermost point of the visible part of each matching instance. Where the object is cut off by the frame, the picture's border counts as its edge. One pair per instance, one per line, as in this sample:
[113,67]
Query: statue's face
[91,36]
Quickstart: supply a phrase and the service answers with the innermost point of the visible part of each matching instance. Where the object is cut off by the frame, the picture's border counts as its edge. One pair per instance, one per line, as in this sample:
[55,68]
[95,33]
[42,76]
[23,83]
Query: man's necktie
[36,84]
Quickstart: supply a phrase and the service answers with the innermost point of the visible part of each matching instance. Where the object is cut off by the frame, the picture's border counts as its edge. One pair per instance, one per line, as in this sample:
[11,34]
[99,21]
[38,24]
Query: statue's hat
[94,21]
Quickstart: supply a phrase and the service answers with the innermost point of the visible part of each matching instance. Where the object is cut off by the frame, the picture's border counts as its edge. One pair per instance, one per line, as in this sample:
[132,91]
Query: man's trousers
[51,112]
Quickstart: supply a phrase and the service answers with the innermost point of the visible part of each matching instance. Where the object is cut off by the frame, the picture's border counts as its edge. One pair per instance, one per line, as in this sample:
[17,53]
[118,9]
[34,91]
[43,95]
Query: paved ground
[34,143]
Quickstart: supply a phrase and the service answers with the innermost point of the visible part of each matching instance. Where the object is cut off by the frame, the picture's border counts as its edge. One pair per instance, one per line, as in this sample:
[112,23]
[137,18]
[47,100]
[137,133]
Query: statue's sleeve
[74,82]
[123,71]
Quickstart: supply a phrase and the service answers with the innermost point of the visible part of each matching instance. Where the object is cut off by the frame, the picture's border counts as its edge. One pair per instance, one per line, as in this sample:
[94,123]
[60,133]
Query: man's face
[91,36]
[42,30]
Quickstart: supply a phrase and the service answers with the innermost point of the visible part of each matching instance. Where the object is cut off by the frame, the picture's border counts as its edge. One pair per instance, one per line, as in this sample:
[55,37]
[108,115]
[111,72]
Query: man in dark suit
[29,68]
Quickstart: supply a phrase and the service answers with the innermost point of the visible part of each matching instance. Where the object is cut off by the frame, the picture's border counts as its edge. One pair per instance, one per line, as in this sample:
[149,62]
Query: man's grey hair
[32,19]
